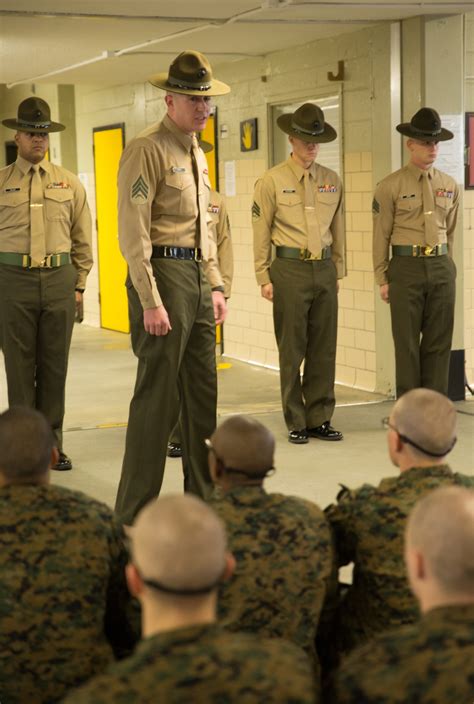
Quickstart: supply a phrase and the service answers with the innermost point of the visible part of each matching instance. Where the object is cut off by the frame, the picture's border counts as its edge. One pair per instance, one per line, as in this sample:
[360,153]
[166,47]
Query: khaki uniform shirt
[278,214]
[221,233]
[429,661]
[204,664]
[67,217]
[398,213]
[158,204]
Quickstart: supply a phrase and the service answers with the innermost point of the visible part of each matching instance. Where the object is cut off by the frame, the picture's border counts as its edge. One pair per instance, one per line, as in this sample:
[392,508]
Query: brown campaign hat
[308,124]
[34,115]
[190,74]
[425,125]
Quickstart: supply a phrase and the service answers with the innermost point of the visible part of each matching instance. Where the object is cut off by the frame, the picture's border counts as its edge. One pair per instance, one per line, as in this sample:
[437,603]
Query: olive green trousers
[184,359]
[422,293]
[37,309]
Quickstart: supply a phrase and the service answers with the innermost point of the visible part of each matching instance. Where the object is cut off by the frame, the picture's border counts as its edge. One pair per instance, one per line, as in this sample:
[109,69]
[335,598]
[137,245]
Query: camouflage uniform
[368,526]
[204,665]
[64,603]
[284,555]
[430,662]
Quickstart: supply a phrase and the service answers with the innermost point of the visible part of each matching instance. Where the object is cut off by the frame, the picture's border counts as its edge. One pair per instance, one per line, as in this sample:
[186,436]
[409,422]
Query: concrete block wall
[356,335]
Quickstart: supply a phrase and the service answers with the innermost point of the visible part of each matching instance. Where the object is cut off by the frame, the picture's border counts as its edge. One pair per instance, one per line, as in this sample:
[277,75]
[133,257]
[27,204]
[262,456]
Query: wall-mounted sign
[248,135]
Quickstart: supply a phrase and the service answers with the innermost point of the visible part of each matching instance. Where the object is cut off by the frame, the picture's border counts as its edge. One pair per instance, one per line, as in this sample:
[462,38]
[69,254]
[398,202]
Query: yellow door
[108,147]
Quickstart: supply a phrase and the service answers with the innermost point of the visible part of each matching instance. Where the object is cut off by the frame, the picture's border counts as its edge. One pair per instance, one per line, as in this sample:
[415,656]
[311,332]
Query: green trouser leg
[422,294]
[305,320]
[175,435]
[37,308]
[183,359]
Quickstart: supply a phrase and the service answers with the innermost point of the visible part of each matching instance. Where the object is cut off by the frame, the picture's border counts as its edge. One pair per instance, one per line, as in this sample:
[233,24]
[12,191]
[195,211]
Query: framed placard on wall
[249,135]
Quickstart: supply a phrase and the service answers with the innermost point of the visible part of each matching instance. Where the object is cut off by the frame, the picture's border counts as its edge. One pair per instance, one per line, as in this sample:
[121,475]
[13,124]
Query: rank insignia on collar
[178,170]
[327,188]
[58,184]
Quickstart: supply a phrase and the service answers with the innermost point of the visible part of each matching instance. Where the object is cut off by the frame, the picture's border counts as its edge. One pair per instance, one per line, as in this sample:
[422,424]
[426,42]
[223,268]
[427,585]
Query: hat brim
[284,122]
[20,127]
[406,129]
[160,80]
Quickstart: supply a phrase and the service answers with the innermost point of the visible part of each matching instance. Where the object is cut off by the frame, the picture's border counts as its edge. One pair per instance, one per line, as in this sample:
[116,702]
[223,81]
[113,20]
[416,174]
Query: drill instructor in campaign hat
[414,213]
[175,289]
[45,257]
[298,208]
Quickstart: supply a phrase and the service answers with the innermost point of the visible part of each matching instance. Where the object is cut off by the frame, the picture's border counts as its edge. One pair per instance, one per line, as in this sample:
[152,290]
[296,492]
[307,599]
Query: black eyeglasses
[232,470]
[387,425]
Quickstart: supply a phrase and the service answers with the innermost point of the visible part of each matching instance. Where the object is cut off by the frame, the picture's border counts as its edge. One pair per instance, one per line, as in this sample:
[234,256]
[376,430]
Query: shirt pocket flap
[328,198]
[59,195]
[443,202]
[408,203]
[12,200]
[289,199]
[180,180]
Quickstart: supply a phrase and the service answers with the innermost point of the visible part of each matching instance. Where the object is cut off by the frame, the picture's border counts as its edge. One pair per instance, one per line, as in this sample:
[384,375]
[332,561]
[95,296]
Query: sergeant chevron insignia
[255,211]
[140,190]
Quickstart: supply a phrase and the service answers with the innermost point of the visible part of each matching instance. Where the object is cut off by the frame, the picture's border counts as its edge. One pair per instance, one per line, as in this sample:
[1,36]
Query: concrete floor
[100,382]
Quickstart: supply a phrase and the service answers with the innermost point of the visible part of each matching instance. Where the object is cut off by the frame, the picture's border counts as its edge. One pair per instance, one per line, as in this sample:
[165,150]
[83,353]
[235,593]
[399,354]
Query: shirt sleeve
[263,209]
[451,220]
[224,248]
[338,233]
[383,211]
[138,177]
[81,235]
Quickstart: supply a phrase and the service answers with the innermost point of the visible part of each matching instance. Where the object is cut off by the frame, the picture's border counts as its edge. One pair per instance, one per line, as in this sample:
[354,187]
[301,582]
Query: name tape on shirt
[58,185]
[327,188]
[408,196]
[289,190]
[139,191]
[11,190]
[441,193]
[178,170]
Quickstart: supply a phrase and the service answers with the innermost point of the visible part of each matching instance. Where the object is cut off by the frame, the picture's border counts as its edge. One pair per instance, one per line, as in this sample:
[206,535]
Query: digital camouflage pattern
[283,550]
[368,526]
[430,662]
[204,665]
[64,604]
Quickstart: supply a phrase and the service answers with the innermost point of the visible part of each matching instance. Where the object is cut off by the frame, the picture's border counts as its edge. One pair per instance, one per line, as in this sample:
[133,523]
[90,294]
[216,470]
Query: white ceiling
[41,38]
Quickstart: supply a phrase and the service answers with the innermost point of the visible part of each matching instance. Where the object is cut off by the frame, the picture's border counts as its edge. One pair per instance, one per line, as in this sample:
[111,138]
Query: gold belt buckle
[309,257]
[47,262]
[428,250]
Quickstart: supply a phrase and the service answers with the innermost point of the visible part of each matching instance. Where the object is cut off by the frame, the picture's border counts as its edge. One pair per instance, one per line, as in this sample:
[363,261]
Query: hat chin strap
[34,125]
[196,86]
[301,130]
[425,133]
